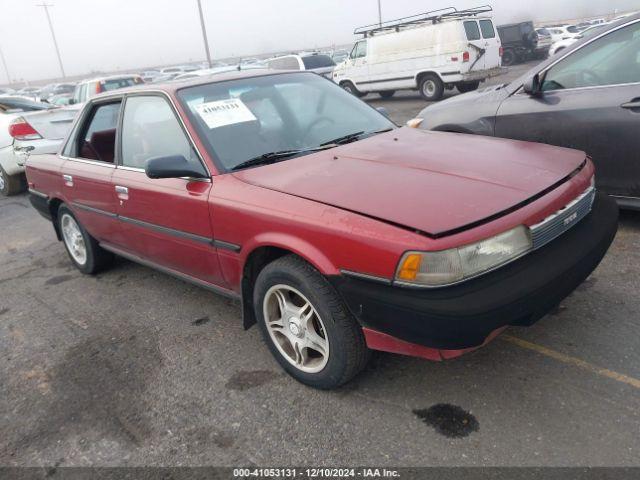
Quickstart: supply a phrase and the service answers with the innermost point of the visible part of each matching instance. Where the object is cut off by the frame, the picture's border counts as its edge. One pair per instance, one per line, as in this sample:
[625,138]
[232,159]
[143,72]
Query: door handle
[122,192]
[68,180]
[632,105]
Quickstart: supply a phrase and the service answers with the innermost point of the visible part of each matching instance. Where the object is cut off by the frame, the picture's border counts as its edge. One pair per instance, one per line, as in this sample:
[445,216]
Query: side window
[472,30]
[359,50]
[150,129]
[609,60]
[486,26]
[97,137]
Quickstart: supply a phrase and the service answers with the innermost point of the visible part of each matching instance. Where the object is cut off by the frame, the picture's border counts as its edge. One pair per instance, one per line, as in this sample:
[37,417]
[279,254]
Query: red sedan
[337,231]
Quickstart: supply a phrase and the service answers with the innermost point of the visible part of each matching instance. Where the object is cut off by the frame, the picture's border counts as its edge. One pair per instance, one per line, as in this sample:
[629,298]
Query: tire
[75,238]
[351,88]
[11,184]
[387,93]
[328,323]
[468,87]
[508,57]
[431,87]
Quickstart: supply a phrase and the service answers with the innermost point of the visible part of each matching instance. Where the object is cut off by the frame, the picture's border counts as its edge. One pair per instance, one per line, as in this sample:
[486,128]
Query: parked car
[339,56]
[89,88]
[315,62]
[562,32]
[149,75]
[520,43]
[205,72]
[55,89]
[561,45]
[11,172]
[165,77]
[61,100]
[29,92]
[586,97]
[336,230]
[429,52]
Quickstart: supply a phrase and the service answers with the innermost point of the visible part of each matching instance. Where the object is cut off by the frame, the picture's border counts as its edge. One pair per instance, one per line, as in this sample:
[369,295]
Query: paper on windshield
[224,112]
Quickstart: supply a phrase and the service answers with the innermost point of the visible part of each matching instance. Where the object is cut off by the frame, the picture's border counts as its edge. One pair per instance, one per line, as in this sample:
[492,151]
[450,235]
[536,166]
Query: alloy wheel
[73,239]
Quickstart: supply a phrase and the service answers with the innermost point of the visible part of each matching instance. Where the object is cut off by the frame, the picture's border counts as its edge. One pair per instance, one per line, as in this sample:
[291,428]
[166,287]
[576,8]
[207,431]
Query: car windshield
[317,61]
[240,120]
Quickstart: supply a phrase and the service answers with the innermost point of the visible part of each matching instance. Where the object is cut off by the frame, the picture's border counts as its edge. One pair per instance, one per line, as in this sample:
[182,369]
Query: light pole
[53,35]
[204,34]
[380,12]
[4,64]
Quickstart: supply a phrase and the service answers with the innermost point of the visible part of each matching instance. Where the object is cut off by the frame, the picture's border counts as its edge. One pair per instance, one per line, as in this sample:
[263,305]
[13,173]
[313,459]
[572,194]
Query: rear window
[317,61]
[487,29]
[116,83]
[473,32]
[284,63]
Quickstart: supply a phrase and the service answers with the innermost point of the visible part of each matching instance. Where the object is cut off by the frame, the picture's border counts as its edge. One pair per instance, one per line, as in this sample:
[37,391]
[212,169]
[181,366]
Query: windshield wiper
[273,157]
[352,137]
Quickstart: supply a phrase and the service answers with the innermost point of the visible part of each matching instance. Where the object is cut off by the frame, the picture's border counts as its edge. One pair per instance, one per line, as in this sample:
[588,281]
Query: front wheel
[351,88]
[306,325]
[431,87]
[83,249]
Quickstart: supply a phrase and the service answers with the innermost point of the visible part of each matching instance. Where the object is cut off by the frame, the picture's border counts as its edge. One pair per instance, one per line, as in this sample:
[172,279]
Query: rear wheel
[508,57]
[468,87]
[351,88]
[431,87]
[306,325]
[83,249]
[11,184]
[387,93]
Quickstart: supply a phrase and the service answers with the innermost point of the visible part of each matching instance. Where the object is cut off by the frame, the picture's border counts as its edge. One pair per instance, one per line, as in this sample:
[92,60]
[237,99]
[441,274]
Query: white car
[562,44]
[28,128]
[429,52]
[562,32]
[318,63]
[205,72]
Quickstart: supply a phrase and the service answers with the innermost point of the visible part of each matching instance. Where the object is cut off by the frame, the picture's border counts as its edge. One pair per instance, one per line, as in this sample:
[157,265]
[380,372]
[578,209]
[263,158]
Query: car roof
[109,77]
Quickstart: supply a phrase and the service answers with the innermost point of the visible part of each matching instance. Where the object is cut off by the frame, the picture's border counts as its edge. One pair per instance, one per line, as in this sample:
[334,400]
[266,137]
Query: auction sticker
[224,112]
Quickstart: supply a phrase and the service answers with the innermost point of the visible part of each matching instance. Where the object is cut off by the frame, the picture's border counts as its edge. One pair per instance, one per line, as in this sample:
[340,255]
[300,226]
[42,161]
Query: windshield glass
[317,61]
[240,120]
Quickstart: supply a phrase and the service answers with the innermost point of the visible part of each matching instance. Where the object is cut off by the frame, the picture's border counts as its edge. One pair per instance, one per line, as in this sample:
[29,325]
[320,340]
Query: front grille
[561,221]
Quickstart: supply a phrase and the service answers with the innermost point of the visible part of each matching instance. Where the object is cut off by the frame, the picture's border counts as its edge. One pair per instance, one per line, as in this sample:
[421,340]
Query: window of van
[487,29]
[359,50]
[473,32]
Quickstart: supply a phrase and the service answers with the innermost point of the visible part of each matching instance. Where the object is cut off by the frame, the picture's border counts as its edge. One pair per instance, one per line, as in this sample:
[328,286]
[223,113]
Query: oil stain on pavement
[59,279]
[201,321]
[449,420]
[245,380]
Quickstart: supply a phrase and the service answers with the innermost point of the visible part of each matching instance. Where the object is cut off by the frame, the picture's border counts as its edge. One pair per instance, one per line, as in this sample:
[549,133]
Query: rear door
[166,221]
[590,101]
[88,167]
[491,44]
[477,46]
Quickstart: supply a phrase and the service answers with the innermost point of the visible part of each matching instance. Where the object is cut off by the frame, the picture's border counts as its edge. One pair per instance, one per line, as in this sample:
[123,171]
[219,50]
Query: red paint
[386,343]
[357,207]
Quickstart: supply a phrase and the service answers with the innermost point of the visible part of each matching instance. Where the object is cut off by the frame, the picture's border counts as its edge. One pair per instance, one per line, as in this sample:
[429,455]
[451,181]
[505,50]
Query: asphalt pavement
[132,367]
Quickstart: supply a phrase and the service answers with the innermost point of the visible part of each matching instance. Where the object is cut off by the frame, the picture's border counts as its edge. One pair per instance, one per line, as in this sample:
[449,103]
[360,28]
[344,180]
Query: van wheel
[431,87]
[351,88]
[83,249]
[307,326]
[11,184]
[508,58]
[468,87]
[387,93]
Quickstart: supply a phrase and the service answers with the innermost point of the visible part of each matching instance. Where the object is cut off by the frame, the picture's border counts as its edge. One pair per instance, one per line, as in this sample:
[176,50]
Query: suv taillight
[466,57]
[501,51]
[99,87]
[20,129]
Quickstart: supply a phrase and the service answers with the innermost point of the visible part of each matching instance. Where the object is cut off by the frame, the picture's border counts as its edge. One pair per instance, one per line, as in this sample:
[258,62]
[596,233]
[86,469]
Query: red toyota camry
[339,232]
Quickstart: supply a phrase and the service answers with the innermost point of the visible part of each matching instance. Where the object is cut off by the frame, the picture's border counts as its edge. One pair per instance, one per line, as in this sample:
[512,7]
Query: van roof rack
[434,16]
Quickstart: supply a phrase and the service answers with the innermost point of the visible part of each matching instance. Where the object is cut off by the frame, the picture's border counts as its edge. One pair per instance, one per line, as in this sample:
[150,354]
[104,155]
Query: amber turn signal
[410,266]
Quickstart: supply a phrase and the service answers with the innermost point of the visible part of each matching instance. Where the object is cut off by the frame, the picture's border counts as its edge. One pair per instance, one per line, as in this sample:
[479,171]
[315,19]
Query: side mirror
[384,112]
[532,86]
[72,101]
[174,166]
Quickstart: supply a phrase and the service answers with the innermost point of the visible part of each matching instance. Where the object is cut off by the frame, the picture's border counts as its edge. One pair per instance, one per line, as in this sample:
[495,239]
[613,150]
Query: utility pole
[53,35]
[380,12]
[204,34]
[4,64]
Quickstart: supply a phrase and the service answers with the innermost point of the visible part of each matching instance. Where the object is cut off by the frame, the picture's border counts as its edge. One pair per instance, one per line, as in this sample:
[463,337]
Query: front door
[358,70]
[590,101]
[167,220]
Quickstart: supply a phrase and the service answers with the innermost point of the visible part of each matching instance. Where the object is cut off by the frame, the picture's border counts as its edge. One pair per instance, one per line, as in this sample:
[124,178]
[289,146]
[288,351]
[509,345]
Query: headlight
[433,269]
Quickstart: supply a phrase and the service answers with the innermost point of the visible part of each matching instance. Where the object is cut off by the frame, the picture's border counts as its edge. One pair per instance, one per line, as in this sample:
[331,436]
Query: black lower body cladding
[519,294]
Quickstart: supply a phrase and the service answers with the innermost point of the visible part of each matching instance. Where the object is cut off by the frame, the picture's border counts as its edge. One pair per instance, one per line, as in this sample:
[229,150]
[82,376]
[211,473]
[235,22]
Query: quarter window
[472,30]
[97,138]
[150,129]
[487,29]
[609,60]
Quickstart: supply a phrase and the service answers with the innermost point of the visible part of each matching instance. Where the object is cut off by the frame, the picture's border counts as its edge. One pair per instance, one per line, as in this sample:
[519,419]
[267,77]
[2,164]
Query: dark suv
[519,41]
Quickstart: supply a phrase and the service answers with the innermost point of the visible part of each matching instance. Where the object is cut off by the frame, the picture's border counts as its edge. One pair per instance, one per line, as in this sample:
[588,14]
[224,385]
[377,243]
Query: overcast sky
[108,35]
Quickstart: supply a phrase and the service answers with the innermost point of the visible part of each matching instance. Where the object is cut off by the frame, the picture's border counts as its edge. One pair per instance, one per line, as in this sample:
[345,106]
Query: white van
[429,52]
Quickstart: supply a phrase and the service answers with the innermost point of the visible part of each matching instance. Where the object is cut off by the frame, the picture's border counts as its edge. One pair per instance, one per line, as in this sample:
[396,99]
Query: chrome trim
[222,245]
[38,194]
[169,271]
[93,210]
[122,190]
[90,162]
[167,230]
[130,169]
[365,276]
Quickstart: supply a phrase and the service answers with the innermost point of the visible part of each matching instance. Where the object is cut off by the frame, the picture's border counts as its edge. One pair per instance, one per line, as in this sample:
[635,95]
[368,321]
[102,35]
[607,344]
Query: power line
[204,34]
[53,35]
[380,12]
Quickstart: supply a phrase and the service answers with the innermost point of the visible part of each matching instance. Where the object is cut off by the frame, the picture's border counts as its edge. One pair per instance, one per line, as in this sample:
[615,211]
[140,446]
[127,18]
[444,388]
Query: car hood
[431,182]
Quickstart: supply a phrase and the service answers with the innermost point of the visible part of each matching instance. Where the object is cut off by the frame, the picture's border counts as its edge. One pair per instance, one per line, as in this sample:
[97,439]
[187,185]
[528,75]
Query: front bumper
[465,315]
